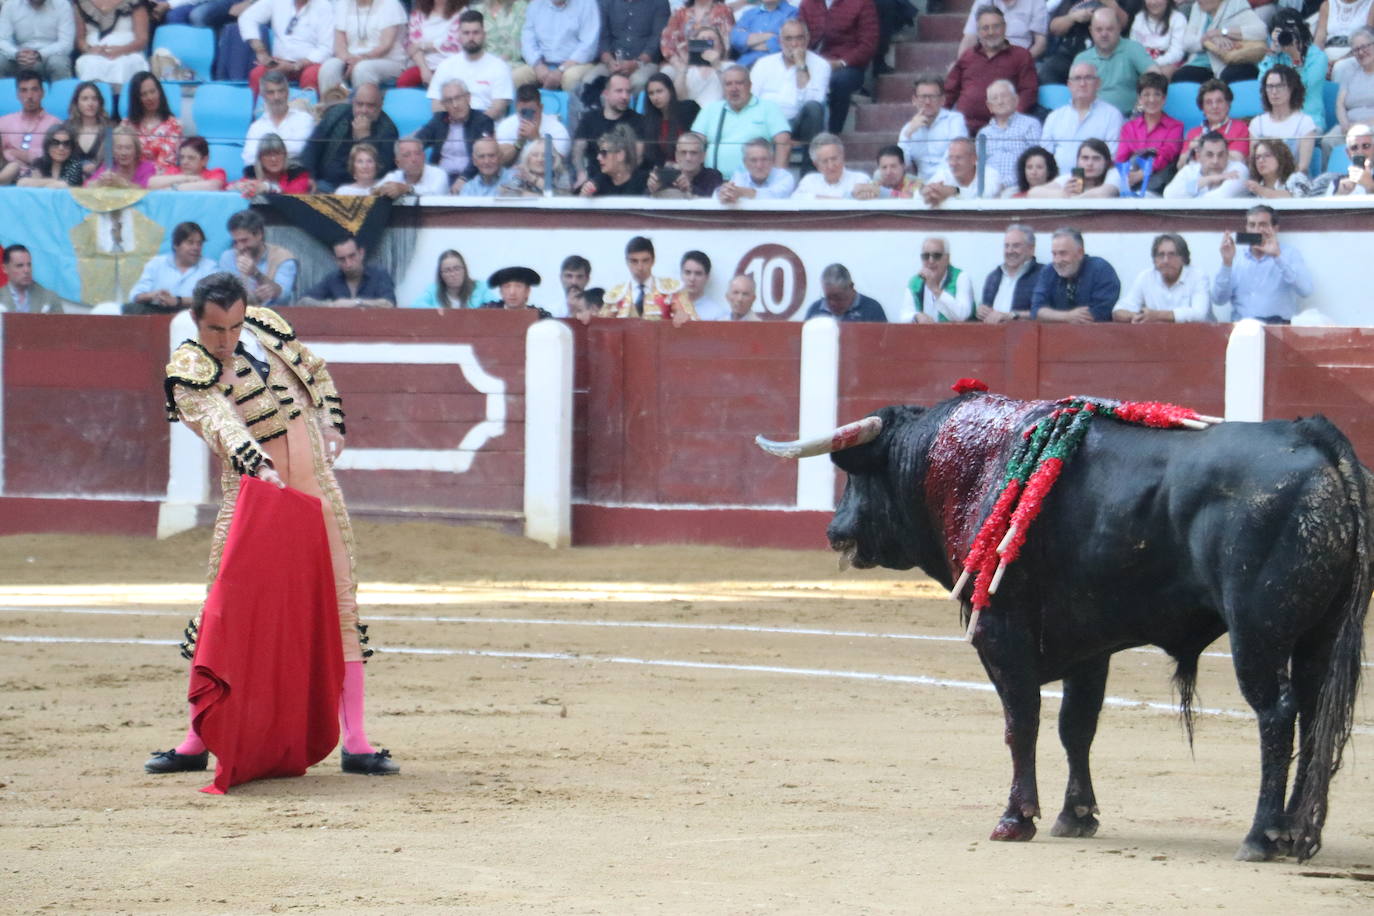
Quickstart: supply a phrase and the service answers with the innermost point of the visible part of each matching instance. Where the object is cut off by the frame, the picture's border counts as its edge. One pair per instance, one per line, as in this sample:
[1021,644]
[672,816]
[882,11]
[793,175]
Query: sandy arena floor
[667,730]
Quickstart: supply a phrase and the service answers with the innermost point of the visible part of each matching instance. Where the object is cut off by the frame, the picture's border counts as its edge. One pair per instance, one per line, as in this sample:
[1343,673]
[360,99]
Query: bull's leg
[1310,660]
[1261,672]
[1007,654]
[1083,691]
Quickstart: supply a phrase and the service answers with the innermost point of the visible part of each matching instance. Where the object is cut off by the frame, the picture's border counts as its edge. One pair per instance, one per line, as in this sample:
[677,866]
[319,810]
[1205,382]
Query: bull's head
[874,522]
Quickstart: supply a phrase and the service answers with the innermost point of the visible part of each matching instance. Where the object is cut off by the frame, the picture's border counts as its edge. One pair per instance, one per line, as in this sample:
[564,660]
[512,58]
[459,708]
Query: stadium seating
[227,156]
[408,108]
[171,90]
[1053,95]
[221,112]
[1247,101]
[194,47]
[9,99]
[1330,91]
[555,102]
[1339,160]
[1181,104]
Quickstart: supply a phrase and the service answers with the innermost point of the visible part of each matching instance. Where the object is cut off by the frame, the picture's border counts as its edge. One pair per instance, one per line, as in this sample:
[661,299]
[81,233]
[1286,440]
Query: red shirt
[847,31]
[1237,132]
[966,86]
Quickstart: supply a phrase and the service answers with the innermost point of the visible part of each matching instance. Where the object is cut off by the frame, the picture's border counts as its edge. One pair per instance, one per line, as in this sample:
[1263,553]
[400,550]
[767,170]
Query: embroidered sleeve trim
[271,322]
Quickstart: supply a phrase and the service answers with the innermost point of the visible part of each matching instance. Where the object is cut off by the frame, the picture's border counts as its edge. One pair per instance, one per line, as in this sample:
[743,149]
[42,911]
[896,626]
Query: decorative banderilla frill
[1032,470]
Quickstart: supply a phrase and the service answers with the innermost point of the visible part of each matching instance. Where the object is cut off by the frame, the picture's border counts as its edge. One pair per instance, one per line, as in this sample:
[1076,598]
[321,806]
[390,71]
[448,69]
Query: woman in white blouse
[1160,27]
[368,44]
[362,165]
[1282,94]
[1169,291]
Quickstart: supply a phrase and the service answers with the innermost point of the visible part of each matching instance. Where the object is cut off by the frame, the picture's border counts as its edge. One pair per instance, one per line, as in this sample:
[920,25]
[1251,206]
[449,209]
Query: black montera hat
[518,274]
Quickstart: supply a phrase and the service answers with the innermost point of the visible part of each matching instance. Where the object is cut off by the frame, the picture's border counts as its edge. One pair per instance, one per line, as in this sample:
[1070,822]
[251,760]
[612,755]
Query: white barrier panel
[1245,371]
[818,412]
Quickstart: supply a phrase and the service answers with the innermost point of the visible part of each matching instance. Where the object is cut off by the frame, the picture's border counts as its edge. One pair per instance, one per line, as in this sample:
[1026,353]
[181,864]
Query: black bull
[1150,537]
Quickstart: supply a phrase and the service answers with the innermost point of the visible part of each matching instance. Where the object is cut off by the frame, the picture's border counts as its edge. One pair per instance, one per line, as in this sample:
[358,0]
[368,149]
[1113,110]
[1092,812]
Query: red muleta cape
[268,666]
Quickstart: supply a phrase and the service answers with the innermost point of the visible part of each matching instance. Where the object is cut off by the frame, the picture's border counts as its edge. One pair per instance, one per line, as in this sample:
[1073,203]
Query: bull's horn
[847,436]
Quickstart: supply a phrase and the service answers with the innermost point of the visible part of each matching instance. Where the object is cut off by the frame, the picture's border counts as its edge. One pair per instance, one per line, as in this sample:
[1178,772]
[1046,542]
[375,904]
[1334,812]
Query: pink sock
[191,744]
[351,710]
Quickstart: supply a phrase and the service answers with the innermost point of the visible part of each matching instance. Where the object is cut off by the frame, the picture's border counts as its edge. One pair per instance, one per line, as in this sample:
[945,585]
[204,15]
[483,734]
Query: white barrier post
[548,433]
[188,462]
[2,405]
[818,410]
[1245,371]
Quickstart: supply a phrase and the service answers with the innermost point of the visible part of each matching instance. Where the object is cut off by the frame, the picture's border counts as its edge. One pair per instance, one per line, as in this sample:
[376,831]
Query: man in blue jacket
[1008,289]
[1079,289]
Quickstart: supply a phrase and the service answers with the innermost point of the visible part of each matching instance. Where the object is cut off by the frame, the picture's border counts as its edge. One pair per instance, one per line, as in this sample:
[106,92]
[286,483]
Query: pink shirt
[14,128]
[1167,137]
[144,171]
[1237,132]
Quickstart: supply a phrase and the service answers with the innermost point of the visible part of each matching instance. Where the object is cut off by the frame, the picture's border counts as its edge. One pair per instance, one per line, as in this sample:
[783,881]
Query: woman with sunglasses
[58,166]
[620,176]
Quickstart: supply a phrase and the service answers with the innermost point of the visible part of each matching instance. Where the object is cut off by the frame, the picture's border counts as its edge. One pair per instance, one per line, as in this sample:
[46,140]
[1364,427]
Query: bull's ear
[871,457]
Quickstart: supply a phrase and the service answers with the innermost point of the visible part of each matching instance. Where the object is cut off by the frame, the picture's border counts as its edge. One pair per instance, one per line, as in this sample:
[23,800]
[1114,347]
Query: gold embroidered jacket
[266,408]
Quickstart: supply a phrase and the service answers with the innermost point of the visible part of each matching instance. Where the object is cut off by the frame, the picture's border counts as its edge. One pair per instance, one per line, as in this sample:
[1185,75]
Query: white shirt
[1024,18]
[1290,130]
[1184,184]
[310,38]
[992,183]
[814,185]
[777,82]
[940,304]
[1188,299]
[1006,290]
[295,129]
[1066,129]
[363,28]
[709,309]
[926,146]
[487,78]
[508,132]
[433,180]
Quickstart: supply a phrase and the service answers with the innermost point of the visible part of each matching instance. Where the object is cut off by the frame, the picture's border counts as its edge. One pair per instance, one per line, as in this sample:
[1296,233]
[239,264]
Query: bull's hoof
[1070,824]
[1013,829]
[1255,852]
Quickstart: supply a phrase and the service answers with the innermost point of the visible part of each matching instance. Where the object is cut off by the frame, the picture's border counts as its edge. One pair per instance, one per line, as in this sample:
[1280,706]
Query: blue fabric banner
[90,246]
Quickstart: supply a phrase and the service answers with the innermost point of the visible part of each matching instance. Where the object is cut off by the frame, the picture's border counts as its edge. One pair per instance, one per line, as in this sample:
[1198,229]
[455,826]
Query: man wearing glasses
[939,291]
[925,138]
[21,133]
[302,39]
[278,117]
[1085,116]
[450,134]
[1358,180]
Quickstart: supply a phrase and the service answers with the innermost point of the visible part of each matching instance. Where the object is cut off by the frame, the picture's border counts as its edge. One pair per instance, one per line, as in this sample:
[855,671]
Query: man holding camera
[1262,279]
[687,175]
[530,124]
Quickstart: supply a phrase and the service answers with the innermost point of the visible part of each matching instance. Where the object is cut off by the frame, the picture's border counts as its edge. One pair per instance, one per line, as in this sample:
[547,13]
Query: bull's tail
[1185,682]
[1335,717]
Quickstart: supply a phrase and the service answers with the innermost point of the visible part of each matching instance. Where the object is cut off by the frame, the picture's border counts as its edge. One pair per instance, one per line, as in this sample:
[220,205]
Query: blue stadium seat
[408,108]
[639,101]
[194,47]
[1247,102]
[1182,104]
[227,156]
[222,113]
[1330,91]
[1054,95]
[9,100]
[1339,161]
[555,103]
[171,90]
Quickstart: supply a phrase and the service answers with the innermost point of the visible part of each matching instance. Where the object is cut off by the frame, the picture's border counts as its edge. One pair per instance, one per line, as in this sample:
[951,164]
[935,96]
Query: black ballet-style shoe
[172,762]
[378,763]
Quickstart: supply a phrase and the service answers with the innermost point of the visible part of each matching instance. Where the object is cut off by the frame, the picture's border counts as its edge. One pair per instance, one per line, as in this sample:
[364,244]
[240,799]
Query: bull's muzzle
[851,434]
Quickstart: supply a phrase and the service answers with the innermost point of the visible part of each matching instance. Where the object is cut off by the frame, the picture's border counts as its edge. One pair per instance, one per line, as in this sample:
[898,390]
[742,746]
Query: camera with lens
[1285,37]
[696,50]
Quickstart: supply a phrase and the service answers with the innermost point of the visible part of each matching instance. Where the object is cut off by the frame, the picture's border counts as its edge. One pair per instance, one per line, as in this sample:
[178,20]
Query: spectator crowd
[721,99]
